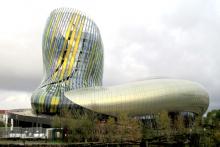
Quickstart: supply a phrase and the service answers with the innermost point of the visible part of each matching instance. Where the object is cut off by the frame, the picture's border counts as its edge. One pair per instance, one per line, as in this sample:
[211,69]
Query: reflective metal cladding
[73,69]
[144,97]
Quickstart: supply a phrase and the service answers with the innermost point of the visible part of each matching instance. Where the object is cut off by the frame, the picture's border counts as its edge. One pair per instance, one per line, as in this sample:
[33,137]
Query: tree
[56,123]
[164,120]
[164,124]
[106,130]
[212,124]
[196,133]
[2,124]
[197,126]
[86,126]
[111,130]
[216,138]
[128,129]
[76,126]
[180,127]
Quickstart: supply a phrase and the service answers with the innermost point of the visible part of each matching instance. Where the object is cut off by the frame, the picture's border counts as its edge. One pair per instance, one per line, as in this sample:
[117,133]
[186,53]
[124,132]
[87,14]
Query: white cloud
[14,99]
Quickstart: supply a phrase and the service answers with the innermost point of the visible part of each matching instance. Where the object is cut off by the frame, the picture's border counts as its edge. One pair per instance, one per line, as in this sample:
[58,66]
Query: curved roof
[143,97]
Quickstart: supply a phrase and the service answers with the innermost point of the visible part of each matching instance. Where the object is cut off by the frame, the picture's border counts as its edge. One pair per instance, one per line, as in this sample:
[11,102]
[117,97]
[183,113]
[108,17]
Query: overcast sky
[178,39]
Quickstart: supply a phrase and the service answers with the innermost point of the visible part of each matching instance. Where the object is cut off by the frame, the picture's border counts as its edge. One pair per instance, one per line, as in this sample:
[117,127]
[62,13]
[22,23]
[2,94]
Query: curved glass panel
[72,58]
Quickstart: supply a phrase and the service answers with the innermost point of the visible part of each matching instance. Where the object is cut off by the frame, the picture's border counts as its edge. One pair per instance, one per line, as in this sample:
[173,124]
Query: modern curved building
[73,69]
[142,98]
[72,58]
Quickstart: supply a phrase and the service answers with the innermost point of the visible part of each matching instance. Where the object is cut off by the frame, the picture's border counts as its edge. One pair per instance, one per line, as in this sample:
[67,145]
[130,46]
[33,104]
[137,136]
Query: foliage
[216,137]
[180,127]
[128,129]
[164,125]
[164,120]
[106,130]
[213,118]
[77,127]
[85,127]
[212,124]
[2,124]
[125,129]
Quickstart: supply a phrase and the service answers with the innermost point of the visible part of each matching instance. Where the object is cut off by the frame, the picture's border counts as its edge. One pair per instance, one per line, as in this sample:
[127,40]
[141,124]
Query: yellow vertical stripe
[64,45]
[69,48]
[76,47]
[54,103]
[51,104]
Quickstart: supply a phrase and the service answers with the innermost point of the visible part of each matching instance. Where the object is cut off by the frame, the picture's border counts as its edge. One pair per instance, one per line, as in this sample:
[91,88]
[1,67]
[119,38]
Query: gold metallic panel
[144,97]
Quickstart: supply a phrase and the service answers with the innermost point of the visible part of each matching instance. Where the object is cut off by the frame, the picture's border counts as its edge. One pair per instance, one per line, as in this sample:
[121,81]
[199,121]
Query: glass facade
[73,69]
[72,58]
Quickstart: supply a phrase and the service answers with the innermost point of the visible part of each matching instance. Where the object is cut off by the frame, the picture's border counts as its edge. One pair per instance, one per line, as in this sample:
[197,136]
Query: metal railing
[18,132]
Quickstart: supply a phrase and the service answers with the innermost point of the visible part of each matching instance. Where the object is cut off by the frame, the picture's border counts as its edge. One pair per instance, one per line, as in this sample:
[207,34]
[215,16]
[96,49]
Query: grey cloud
[179,40]
[185,46]
[11,82]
